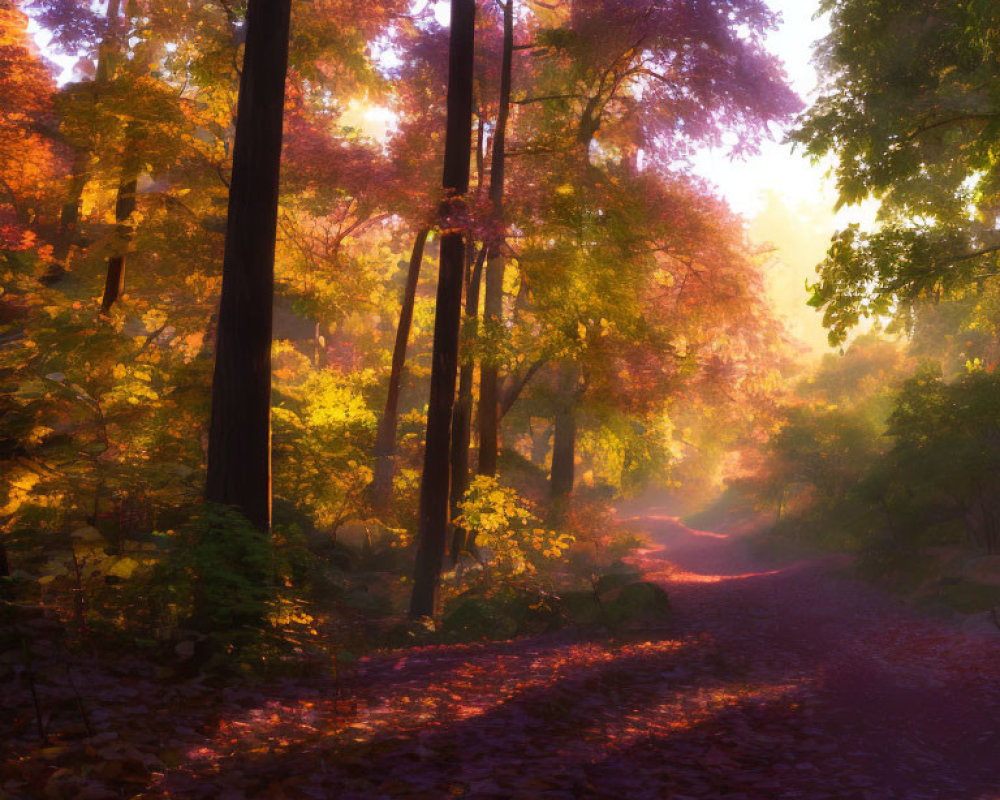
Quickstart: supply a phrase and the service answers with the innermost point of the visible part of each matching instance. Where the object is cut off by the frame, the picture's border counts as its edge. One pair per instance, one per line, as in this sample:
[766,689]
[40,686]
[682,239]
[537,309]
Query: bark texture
[564,439]
[239,446]
[432,532]
[489,382]
[461,428]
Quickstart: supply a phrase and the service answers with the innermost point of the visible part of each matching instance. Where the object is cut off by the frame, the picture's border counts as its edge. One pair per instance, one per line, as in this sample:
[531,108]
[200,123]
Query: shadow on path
[786,682]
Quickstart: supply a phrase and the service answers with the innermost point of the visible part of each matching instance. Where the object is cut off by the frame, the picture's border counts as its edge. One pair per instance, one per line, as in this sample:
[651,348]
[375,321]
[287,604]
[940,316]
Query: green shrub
[506,611]
[217,576]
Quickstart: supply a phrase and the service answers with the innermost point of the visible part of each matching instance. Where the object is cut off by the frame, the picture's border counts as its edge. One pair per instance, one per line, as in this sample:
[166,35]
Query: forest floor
[773,681]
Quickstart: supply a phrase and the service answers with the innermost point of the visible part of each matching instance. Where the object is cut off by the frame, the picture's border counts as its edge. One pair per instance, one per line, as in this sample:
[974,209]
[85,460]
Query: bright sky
[745,183]
[787,201]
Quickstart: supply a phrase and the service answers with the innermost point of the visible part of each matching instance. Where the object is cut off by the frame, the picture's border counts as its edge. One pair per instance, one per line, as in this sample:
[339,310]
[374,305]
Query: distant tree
[615,86]
[380,491]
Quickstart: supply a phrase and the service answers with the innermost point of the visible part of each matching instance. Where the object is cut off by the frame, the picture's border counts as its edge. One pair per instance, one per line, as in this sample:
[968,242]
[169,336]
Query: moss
[640,603]
[581,608]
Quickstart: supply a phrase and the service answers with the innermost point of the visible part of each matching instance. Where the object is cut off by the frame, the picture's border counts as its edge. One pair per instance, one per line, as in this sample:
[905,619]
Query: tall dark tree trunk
[564,439]
[432,533]
[239,443]
[380,491]
[124,209]
[4,563]
[489,380]
[461,428]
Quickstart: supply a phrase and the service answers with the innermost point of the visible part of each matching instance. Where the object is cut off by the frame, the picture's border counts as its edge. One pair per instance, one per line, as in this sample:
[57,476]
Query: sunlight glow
[676,521]
[777,185]
[689,710]
[676,575]
[498,682]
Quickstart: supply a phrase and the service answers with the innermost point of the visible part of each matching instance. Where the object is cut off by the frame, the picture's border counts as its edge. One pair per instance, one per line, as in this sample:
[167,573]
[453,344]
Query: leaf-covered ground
[772,683]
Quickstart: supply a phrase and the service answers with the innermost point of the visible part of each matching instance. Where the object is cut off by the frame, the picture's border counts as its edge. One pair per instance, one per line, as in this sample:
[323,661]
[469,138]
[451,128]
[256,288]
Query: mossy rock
[620,576]
[640,603]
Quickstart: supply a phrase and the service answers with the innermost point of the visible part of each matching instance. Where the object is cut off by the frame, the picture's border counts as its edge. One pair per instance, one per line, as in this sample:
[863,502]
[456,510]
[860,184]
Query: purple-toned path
[771,683]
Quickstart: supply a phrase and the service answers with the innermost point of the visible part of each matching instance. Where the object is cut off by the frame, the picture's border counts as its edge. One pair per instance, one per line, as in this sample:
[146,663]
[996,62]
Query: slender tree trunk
[489,381]
[124,209]
[380,491]
[564,438]
[461,428]
[4,563]
[563,473]
[432,532]
[69,217]
[517,386]
[239,445]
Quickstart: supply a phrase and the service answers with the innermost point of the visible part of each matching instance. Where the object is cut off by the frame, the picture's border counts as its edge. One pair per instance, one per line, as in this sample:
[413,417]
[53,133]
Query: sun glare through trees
[500,399]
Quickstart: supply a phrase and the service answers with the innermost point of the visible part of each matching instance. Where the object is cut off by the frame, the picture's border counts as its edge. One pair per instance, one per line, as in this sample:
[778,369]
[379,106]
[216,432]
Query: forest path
[787,682]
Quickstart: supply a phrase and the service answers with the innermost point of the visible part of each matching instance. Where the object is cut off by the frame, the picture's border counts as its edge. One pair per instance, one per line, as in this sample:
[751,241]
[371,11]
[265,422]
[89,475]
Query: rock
[641,603]
[87,533]
[983,625]
[617,578]
[365,535]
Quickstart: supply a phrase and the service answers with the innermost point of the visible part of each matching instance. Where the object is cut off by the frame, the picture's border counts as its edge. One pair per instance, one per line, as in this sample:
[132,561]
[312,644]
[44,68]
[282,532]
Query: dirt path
[894,706]
[774,683]
[771,684]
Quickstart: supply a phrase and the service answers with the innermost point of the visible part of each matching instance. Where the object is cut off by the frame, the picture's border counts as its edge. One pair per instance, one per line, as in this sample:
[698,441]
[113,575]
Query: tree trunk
[4,563]
[517,386]
[461,428]
[489,381]
[432,532]
[239,445]
[124,209]
[380,491]
[564,439]
[69,217]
